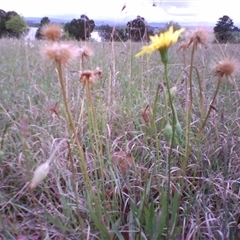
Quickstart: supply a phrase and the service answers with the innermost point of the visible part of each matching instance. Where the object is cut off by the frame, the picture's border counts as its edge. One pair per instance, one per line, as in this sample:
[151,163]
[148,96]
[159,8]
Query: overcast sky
[192,11]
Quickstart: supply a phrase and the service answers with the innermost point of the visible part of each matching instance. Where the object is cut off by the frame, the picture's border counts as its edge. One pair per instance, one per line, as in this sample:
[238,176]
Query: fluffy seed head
[98,72]
[52,32]
[85,52]
[60,53]
[87,77]
[198,36]
[227,67]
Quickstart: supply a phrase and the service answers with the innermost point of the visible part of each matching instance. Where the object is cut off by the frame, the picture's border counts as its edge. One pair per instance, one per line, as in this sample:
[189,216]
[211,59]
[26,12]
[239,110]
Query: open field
[115,183]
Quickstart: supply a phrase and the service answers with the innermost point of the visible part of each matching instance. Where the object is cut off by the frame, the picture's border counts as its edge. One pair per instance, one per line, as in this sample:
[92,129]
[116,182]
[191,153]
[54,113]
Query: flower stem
[209,110]
[72,124]
[171,147]
[189,114]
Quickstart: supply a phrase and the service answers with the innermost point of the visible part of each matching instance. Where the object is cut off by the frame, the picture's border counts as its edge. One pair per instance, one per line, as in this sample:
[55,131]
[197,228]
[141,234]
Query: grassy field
[121,179]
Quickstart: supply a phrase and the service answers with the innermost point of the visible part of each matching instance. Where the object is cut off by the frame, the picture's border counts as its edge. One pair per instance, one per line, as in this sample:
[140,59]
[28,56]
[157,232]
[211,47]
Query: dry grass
[126,198]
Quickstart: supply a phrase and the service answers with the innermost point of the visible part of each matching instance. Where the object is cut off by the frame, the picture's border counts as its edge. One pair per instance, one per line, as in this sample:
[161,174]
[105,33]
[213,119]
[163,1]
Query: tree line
[13,25]
[226,31]
[81,29]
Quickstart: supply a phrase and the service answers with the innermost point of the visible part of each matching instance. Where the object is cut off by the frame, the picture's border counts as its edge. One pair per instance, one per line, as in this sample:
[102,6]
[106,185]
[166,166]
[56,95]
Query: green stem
[153,128]
[155,105]
[94,126]
[189,114]
[209,110]
[72,124]
[171,147]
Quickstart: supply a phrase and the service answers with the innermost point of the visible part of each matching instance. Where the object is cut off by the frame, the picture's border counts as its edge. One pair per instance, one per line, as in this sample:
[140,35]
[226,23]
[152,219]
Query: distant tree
[81,28]
[16,26]
[224,29]
[137,29]
[108,33]
[10,14]
[11,24]
[176,26]
[44,21]
[2,23]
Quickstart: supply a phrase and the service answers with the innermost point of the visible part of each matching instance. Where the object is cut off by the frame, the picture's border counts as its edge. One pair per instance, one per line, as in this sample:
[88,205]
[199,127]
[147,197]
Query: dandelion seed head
[60,53]
[98,72]
[226,67]
[52,32]
[196,37]
[87,77]
[85,52]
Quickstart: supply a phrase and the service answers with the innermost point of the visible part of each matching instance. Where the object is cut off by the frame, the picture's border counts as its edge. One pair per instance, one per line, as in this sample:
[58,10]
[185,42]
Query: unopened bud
[168,132]
[173,92]
[178,130]
[40,173]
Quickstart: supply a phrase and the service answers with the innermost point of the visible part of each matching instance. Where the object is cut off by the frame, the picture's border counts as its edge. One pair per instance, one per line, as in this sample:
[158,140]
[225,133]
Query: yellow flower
[161,42]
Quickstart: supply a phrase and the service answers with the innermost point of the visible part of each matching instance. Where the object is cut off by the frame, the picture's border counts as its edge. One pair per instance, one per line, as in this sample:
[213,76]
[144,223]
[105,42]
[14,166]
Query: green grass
[117,203]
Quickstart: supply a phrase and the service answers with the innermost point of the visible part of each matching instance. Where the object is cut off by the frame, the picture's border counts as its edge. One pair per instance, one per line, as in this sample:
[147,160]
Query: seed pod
[178,130]
[168,132]
[173,92]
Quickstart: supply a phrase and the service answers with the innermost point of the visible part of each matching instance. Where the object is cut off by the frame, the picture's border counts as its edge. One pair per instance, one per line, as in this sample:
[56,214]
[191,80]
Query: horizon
[99,22]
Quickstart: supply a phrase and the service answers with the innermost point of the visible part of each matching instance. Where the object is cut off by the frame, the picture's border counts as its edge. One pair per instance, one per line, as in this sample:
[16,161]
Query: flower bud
[40,173]
[173,92]
[168,132]
[178,130]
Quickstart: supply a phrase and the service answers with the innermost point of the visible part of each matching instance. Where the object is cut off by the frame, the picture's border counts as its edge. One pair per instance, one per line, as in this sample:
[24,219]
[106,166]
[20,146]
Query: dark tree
[2,23]
[44,21]
[108,33]
[10,14]
[4,17]
[137,29]
[80,28]
[11,24]
[224,29]
[16,26]
[176,26]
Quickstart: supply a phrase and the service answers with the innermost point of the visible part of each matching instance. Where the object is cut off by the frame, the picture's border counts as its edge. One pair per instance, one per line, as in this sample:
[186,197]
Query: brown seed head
[85,52]
[60,53]
[227,67]
[87,77]
[199,36]
[98,72]
[184,45]
[52,32]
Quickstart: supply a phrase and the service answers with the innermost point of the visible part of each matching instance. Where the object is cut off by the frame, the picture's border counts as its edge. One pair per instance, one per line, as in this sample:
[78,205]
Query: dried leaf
[123,161]
[55,109]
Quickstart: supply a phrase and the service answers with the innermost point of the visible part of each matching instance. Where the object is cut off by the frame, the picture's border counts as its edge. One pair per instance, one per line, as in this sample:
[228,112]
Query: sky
[205,12]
